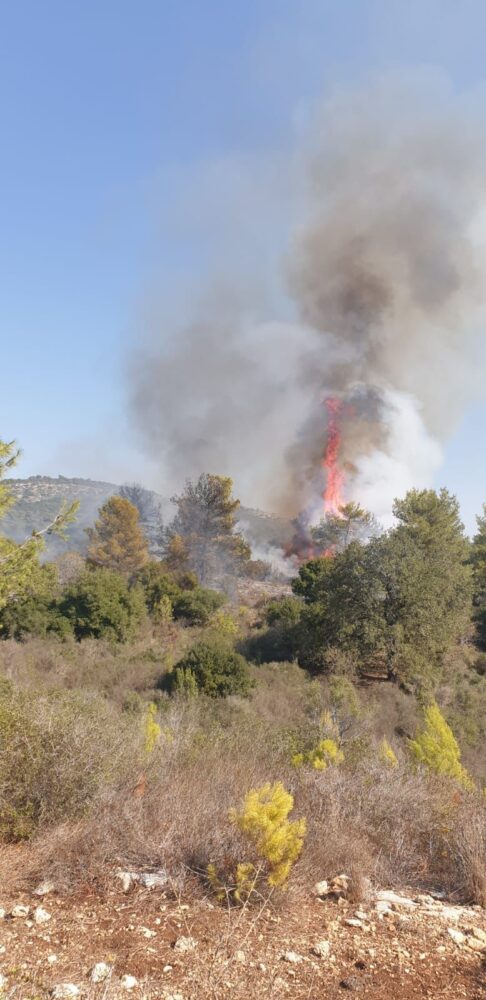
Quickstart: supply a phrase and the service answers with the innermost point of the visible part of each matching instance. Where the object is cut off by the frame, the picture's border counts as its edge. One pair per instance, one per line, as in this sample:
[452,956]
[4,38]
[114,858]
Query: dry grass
[390,826]
[85,755]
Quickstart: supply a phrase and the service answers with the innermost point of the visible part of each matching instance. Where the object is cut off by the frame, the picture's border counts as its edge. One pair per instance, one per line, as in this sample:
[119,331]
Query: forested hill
[38,499]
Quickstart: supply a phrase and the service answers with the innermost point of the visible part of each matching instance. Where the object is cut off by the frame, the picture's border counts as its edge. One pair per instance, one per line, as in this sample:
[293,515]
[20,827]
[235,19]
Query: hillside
[39,498]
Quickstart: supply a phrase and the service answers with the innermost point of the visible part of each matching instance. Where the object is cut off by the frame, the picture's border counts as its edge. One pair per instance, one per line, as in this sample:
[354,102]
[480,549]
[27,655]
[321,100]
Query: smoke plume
[385,272]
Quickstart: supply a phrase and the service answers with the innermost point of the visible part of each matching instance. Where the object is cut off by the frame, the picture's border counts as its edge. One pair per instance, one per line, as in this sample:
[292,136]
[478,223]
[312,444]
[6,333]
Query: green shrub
[36,616]
[188,601]
[216,668]
[36,612]
[196,606]
[157,584]
[101,604]
[285,611]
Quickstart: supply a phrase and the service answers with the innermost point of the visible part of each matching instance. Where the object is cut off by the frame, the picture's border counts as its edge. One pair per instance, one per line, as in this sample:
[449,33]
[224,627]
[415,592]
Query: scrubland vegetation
[165,710]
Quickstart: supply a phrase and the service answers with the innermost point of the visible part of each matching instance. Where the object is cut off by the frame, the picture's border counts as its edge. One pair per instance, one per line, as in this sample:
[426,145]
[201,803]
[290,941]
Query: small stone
[19,911]
[65,990]
[476,944]
[44,889]
[127,879]
[292,957]
[3,982]
[167,968]
[128,982]
[41,916]
[394,900]
[321,888]
[100,972]
[262,967]
[147,933]
[52,959]
[457,936]
[353,922]
[477,932]
[185,944]
[3,913]
[154,880]
[361,915]
[321,949]
[240,956]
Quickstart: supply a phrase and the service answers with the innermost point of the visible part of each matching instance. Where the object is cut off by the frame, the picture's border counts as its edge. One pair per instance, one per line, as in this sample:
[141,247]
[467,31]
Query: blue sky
[108,112]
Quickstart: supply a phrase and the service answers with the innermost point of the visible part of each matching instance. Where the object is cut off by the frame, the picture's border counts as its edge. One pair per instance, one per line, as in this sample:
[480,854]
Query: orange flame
[332,496]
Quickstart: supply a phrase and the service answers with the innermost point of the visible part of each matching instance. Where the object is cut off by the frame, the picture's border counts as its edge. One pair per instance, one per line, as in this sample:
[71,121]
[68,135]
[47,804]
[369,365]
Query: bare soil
[237,953]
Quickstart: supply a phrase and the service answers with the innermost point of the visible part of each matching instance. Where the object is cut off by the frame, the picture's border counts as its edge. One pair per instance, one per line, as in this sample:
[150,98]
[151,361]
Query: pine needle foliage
[117,541]
[437,748]
[264,820]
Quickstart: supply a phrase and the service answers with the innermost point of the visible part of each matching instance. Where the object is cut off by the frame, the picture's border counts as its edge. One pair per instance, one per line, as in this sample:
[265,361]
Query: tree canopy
[117,541]
[395,605]
[203,530]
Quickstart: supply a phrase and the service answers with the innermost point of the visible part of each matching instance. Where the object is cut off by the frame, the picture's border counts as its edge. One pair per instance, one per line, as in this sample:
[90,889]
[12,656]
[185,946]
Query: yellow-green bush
[224,624]
[275,840]
[437,748]
[386,754]
[152,730]
[326,753]
[264,819]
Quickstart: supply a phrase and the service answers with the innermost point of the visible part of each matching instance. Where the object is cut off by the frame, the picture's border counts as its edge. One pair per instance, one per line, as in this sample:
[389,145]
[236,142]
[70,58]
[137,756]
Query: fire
[332,496]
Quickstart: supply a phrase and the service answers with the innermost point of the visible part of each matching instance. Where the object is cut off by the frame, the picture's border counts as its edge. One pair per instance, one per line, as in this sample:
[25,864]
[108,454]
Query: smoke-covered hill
[38,499]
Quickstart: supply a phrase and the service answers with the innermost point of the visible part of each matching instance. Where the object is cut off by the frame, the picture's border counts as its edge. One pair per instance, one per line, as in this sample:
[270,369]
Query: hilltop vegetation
[180,707]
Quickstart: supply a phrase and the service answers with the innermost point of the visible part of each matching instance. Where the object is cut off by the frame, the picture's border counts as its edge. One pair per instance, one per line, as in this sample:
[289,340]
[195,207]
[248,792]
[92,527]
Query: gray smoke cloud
[385,270]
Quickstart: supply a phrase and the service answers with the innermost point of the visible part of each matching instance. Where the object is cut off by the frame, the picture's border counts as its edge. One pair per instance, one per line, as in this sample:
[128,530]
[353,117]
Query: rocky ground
[139,940]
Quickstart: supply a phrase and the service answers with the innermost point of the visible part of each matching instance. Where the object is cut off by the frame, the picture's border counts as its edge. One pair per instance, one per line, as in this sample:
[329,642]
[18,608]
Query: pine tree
[116,541]
[150,513]
[423,564]
[205,529]
[335,531]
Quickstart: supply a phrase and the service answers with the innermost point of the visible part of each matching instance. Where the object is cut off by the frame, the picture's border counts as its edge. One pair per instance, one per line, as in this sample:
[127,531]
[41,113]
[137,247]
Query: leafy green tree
[343,609]
[117,541]
[437,748]
[397,604]
[478,560]
[204,526]
[218,671]
[19,562]
[100,603]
